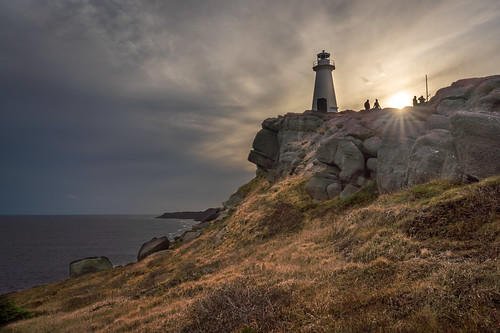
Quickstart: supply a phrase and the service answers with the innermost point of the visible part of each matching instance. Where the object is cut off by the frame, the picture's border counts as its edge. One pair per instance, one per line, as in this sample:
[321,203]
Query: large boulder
[371,146]
[317,185]
[343,153]
[334,189]
[265,148]
[190,235]
[289,161]
[477,140]
[392,163]
[469,94]
[266,143]
[437,121]
[307,122]
[152,246]
[372,167]
[234,200]
[260,160]
[459,90]
[273,124]
[208,215]
[89,265]
[349,190]
[220,236]
[450,106]
[327,150]
[350,161]
[433,156]
[359,132]
[486,96]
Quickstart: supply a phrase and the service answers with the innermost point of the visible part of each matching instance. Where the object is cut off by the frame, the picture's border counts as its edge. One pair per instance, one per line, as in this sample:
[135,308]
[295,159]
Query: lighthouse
[324,92]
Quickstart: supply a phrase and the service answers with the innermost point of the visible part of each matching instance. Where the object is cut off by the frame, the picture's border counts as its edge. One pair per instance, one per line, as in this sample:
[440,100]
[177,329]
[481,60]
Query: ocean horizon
[37,249]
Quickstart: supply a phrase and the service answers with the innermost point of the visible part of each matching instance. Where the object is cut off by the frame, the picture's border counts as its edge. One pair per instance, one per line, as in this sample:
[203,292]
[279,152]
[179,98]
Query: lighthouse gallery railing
[323,62]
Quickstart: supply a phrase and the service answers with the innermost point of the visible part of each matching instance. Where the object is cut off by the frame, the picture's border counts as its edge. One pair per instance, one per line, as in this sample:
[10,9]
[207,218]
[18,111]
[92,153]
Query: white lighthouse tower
[324,92]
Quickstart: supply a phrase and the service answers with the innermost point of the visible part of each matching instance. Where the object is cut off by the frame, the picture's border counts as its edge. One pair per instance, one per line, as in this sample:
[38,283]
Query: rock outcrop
[89,265]
[456,135]
[208,215]
[152,246]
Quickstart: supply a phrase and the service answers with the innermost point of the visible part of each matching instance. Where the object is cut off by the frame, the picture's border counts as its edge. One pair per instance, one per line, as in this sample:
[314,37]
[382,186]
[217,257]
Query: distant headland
[205,215]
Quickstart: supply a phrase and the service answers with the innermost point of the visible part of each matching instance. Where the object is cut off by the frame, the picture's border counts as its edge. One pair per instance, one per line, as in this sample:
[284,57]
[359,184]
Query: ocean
[36,250]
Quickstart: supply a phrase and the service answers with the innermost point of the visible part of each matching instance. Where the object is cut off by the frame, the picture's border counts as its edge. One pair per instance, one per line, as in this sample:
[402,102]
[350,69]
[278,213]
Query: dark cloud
[135,106]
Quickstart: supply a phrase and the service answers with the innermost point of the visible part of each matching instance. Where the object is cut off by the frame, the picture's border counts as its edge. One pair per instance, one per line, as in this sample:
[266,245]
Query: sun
[399,100]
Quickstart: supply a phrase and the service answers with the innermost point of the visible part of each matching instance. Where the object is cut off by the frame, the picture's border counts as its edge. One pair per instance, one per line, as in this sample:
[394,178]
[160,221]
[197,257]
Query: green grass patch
[10,312]
[421,194]
[365,196]
[460,217]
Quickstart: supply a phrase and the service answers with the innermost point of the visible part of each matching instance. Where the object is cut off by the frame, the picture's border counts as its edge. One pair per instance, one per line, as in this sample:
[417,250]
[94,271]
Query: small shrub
[240,305]
[10,312]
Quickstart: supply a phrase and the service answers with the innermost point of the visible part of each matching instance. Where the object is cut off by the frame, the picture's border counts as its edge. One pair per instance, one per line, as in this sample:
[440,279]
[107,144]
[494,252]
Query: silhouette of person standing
[421,100]
[367,105]
[376,105]
[415,103]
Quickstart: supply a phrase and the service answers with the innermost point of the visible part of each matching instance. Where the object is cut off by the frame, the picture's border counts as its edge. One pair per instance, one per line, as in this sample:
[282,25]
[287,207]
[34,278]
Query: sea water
[37,250]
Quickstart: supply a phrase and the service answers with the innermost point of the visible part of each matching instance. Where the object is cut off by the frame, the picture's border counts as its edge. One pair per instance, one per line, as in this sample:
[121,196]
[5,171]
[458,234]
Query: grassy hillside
[420,260]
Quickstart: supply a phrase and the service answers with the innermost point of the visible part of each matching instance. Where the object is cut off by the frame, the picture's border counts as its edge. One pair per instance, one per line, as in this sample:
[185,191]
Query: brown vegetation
[420,260]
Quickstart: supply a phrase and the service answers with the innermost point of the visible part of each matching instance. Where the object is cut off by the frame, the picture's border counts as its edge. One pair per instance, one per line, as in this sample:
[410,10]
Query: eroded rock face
[371,146]
[477,140]
[350,161]
[454,136]
[433,156]
[152,246]
[392,163]
[265,149]
[317,186]
[89,265]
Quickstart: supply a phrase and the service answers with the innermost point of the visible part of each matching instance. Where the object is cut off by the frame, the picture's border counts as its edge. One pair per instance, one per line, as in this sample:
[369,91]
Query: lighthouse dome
[323,55]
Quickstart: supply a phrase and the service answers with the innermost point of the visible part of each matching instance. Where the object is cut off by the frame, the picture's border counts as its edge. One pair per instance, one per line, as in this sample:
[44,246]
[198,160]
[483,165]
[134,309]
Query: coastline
[37,249]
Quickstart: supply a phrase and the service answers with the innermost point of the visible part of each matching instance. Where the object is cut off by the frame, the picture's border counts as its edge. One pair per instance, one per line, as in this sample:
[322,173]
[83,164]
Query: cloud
[154,102]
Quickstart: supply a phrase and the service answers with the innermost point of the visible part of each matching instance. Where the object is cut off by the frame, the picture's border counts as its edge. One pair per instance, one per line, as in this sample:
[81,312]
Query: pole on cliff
[426,89]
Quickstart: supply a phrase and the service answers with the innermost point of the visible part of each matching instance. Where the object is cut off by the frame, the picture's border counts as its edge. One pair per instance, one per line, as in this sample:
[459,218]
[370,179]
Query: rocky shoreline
[156,244]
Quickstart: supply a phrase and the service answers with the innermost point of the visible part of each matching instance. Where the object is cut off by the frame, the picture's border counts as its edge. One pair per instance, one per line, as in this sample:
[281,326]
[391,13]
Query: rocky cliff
[456,135]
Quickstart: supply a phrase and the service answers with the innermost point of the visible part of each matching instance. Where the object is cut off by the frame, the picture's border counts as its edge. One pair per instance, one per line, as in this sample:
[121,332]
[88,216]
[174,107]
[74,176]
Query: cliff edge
[456,135]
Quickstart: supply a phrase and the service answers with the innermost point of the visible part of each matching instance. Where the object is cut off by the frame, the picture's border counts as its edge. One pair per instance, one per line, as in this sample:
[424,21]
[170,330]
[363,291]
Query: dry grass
[421,260]
[241,304]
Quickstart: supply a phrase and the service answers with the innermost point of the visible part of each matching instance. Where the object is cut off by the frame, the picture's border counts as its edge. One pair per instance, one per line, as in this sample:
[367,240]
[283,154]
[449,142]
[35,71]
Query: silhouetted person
[367,105]
[376,105]
[415,103]
[421,100]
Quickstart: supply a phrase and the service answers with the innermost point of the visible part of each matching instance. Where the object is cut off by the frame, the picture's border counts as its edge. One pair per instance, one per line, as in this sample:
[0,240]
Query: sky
[132,107]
